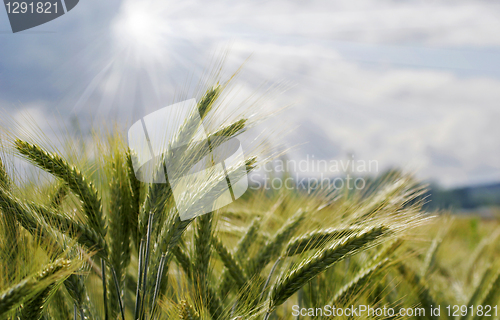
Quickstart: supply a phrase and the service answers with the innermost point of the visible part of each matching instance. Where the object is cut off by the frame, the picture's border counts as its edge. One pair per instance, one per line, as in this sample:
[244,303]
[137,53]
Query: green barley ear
[10,228]
[33,309]
[230,262]
[119,231]
[294,279]
[183,260]
[59,196]
[359,282]
[76,288]
[11,206]
[4,177]
[272,248]
[202,253]
[187,312]
[208,99]
[135,205]
[430,256]
[316,239]
[15,295]
[76,181]
[232,129]
[240,253]
[85,236]
[251,164]
[33,290]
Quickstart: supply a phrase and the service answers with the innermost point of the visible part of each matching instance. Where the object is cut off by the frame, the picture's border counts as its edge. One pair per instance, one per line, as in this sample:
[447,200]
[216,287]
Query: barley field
[87,240]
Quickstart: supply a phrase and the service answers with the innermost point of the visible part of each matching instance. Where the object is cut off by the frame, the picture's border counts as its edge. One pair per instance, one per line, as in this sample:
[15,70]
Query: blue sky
[414,84]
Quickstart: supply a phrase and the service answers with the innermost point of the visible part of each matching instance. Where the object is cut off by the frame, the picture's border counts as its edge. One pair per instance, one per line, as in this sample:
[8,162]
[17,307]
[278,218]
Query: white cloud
[433,121]
[426,118]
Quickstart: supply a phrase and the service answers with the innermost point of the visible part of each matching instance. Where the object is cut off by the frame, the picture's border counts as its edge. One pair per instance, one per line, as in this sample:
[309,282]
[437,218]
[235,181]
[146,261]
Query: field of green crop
[84,239]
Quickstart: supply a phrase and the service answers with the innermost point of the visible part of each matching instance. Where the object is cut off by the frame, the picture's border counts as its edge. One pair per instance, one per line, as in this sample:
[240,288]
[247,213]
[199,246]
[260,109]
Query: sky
[413,84]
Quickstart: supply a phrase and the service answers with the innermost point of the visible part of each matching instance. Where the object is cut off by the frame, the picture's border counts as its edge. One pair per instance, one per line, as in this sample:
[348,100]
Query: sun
[142,27]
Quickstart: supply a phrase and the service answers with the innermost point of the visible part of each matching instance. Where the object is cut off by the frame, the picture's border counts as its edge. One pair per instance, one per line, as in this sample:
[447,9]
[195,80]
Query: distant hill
[464,198]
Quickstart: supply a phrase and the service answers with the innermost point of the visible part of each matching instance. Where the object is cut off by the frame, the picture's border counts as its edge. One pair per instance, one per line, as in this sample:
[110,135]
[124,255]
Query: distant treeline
[466,198]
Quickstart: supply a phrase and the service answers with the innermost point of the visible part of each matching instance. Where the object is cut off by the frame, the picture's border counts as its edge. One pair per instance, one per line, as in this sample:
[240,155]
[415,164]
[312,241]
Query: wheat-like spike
[491,295]
[200,150]
[208,99]
[84,235]
[84,189]
[76,288]
[240,254]
[230,262]
[419,284]
[478,291]
[29,288]
[157,197]
[33,309]
[58,197]
[230,130]
[244,244]
[187,312]
[169,237]
[251,164]
[4,177]
[119,232]
[272,248]
[9,227]
[316,239]
[430,256]
[22,213]
[293,280]
[203,251]
[183,260]
[135,205]
[358,283]
[14,296]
